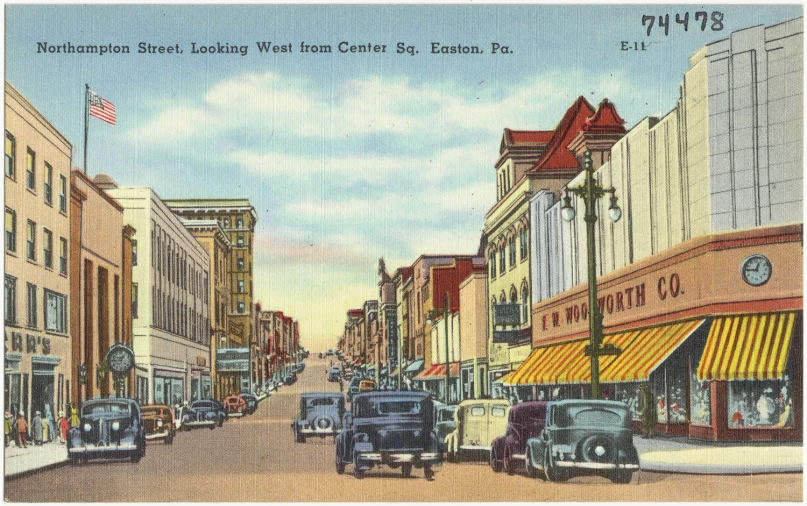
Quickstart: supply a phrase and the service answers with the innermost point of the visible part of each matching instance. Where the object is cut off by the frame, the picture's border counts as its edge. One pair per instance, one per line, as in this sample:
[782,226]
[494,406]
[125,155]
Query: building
[171,280]
[102,253]
[216,243]
[473,323]
[388,351]
[529,162]
[700,283]
[238,218]
[38,349]
[401,280]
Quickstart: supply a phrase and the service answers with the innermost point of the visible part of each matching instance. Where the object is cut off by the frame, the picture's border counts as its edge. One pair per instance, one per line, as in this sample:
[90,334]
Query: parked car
[251,400]
[110,428]
[444,422]
[158,420]
[320,415]
[334,374]
[478,422]
[235,405]
[347,373]
[353,387]
[526,420]
[299,367]
[584,437]
[220,411]
[395,429]
[202,413]
[367,385]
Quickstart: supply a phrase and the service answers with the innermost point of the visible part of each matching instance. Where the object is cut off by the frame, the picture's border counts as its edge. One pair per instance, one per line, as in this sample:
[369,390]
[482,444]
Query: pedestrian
[341,385]
[75,421]
[37,429]
[64,426]
[647,411]
[22,430]
[51,424]
[9,422]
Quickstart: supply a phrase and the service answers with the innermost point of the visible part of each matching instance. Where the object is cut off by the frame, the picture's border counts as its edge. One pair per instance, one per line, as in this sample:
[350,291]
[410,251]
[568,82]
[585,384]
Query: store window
[761,403]
[55,312]
[700,399]
[168,390]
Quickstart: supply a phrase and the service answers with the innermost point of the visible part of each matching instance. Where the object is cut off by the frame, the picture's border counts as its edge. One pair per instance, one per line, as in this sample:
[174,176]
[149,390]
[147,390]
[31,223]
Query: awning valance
[747,347]
[438,372]
[414,366]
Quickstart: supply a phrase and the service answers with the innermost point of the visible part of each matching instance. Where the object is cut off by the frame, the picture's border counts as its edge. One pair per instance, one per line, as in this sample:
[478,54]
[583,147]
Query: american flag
[101,108]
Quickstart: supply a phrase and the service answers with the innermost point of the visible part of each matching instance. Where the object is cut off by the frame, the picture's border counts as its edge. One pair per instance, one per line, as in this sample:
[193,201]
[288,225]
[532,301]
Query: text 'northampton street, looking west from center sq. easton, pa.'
[449,242]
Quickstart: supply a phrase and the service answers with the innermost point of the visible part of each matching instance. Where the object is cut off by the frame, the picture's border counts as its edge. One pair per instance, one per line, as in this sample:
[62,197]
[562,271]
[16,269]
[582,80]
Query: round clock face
[120,360]
[756,270]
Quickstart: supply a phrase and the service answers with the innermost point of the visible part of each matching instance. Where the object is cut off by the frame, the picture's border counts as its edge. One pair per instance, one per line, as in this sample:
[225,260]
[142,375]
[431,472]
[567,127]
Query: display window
[760,403]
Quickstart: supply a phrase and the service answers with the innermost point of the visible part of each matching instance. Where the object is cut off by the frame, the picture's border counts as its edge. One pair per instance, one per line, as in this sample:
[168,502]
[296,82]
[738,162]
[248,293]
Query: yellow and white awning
[747,347]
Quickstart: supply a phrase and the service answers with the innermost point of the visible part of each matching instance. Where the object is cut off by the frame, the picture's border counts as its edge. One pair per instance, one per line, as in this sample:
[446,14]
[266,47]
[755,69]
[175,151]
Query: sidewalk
[21,461]
[681,455]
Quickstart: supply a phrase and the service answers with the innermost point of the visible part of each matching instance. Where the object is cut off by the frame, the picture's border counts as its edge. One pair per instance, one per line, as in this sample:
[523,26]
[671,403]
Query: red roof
[529,136]
[447,278]
[606,120]
[406,273]
[557,155]
[355,313]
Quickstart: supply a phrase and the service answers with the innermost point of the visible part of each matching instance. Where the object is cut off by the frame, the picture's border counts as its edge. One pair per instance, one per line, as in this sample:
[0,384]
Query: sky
[346,157]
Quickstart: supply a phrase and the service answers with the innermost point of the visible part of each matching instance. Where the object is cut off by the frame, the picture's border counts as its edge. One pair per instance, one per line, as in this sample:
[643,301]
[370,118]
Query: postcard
[403,253]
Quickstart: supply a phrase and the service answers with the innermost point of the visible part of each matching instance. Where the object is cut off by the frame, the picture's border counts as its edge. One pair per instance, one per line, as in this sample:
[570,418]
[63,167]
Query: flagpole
[86,120]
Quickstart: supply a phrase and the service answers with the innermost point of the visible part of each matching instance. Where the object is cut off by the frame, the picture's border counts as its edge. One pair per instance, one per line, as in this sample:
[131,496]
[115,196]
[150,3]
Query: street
[256,459]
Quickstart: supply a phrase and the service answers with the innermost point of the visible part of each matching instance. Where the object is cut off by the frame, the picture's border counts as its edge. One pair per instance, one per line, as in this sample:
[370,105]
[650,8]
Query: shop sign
[507,313]
[31,344]
[392,338]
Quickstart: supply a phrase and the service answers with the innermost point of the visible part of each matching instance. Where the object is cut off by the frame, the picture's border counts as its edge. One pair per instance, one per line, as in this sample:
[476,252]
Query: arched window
[492,263]
[523,241]
[512,245]
[525,303]
[513,294]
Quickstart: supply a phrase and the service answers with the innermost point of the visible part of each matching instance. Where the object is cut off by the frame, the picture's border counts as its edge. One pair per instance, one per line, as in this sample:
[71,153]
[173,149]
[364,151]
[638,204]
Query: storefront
[717,340]
[433,380]
[232,371]
[169,386]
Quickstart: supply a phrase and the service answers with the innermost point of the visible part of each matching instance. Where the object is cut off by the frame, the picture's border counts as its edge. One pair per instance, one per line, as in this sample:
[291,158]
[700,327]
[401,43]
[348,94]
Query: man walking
[647,410]
[22,430]
[37,428]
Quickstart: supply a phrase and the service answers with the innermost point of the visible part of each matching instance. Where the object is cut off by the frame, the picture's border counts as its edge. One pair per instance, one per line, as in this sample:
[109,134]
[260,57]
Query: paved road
[255,459]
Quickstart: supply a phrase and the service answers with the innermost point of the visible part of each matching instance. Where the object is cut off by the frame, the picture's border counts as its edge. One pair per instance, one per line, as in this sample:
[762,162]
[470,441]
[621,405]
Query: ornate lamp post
[591,191]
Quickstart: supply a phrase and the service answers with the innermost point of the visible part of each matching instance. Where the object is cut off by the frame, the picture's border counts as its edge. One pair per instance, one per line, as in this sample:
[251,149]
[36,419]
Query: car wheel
[551,472]
[531,471]
[298,438]
[185,427]
[622,477]
[406,469]
[357,473]
[135,457]
[212,427]
[428,472]
[508,463]
[494,462]
[340,464]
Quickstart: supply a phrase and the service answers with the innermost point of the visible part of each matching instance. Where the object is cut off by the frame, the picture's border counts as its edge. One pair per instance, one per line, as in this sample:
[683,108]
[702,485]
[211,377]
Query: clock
[756,269]
[120,358]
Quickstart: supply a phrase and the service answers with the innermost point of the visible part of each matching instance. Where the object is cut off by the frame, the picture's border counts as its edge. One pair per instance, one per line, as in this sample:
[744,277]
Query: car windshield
[446,414]
[320,401]
[398,407]
[203,405]
[155,411]
[588,415]
[115,408]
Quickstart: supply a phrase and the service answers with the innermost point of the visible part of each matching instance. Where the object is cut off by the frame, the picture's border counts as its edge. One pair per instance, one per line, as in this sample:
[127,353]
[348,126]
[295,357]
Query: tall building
[237,218]
[102,253]
[38,352]
[172,329]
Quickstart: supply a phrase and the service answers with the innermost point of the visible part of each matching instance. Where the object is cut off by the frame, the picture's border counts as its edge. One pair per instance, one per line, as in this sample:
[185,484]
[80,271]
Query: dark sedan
[203,413]
[109,429]
[526,420]
[251,400]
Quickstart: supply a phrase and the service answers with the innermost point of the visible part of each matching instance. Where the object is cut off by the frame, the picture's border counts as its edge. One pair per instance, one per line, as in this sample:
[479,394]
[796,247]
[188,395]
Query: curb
[35,470]
[662,467]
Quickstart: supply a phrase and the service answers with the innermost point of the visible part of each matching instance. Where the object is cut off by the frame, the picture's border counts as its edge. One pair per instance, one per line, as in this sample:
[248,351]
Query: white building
[170,285]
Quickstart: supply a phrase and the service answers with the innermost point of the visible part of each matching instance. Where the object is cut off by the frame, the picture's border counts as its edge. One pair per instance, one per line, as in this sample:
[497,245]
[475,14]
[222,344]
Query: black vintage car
[395,429]
[110,428]
[251,400]
[320,415]
[584,437]
[202,413]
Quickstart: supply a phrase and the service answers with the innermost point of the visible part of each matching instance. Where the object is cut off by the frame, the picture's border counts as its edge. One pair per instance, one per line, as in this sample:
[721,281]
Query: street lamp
[591,191]
[433,316]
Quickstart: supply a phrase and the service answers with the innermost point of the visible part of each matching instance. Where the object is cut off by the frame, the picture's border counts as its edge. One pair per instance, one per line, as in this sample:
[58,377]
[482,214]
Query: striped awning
[544,364]
[747,347]
[437,372]
[505,380]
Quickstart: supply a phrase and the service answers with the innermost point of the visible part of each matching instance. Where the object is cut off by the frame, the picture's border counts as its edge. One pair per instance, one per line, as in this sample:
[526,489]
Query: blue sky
[346,157]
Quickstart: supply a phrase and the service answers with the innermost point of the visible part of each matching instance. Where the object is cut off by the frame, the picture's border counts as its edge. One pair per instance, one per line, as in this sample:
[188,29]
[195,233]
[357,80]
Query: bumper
[395,458]
[475,448]
[206,423]
[594,465]
[320,432]
[158,435]
[92,450]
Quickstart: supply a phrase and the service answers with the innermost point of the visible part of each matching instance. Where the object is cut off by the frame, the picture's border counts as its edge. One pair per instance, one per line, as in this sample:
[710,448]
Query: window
[492,264]
[11,230]
[512,244]
[240,264]
[240,240]
[31,305]
[11,299]
[47,248]
[239,222]
[523,240]
[501,261]
[63,256]
[55,312]
[48,184]
[11,150]
[525,304]
[134,300]
[62,193]
[134,252]
[240,286]
[31,240]
[30,170]
[241,307]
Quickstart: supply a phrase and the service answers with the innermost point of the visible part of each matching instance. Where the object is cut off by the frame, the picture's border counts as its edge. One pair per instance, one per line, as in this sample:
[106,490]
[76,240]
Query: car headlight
[115,425]
[87,427]
[364,438]
[159,423]
[416,433]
